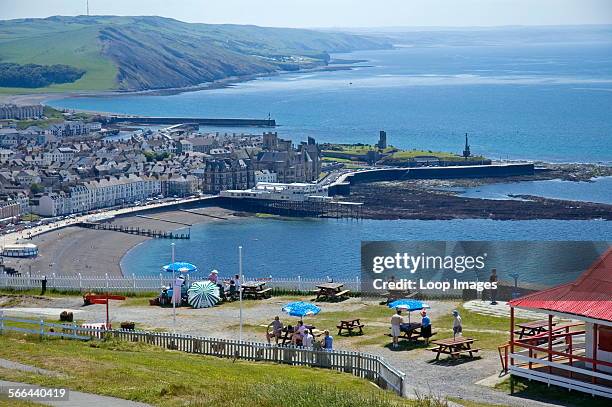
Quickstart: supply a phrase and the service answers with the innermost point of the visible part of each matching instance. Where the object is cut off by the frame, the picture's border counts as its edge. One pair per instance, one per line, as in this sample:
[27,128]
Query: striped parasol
[203,294]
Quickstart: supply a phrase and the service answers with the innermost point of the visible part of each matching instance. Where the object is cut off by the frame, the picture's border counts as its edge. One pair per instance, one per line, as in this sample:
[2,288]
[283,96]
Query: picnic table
[454,347]
[331,291]
[287,333]
[349,325]
[255,289]
[532,328]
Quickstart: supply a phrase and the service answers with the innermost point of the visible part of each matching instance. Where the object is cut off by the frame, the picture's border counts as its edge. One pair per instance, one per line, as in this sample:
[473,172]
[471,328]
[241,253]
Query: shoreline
[72,250]
[44,97]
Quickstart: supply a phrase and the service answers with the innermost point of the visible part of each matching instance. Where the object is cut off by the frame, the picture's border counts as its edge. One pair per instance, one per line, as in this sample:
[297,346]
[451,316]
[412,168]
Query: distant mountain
[139,53]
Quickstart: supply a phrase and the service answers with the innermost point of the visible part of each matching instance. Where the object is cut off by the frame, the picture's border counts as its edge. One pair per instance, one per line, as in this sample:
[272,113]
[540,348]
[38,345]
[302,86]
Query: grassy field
[161,377]
[76,47]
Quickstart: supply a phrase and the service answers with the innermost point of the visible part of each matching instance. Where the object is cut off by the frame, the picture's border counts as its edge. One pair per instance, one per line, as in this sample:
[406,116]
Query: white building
[106,192]
[5,155]
[283,192]
[265,176]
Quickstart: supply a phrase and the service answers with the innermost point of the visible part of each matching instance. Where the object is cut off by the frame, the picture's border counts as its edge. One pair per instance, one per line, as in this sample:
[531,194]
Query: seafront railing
[364,365]
[139,284]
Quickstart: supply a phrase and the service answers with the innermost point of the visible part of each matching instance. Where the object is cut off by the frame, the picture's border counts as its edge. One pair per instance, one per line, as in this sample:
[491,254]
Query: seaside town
[83,175]
[201,209]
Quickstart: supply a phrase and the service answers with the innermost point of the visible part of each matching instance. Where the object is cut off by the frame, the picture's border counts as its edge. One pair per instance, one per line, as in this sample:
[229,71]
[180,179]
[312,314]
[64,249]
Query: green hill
[138,53]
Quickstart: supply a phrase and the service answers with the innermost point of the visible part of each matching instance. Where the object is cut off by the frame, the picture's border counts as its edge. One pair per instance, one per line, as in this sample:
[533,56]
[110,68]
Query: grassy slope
[154,52]
[161,377]
[77,46]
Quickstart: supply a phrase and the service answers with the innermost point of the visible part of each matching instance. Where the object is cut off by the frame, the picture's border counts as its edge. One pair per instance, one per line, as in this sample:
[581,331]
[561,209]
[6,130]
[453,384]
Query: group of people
[398,325]
[233,286]
[301,335]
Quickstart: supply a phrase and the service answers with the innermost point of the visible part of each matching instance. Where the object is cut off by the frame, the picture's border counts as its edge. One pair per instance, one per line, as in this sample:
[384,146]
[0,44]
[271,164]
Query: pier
[311,209]
[226,122]
[134,230]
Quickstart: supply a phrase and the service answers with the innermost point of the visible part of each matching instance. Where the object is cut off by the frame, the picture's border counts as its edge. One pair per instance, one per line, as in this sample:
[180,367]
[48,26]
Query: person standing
[425,327]
[396,326]
[307,339]
[277,329]
[237,282]
[457,324]
[493,281]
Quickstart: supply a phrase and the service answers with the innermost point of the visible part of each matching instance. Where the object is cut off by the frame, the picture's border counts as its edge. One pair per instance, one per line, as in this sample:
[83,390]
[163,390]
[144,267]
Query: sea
[544,102]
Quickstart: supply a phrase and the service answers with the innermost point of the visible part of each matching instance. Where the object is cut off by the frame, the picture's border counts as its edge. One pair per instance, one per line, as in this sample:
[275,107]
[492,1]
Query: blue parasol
[408,305]
[180,267]
[301,309]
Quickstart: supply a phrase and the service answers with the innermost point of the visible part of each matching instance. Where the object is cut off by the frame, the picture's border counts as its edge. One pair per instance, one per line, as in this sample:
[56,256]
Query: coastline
[44,97]
[73,250]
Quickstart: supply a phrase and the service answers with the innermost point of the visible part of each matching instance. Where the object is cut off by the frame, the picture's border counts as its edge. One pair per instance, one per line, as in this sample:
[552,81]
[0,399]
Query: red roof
[589,296]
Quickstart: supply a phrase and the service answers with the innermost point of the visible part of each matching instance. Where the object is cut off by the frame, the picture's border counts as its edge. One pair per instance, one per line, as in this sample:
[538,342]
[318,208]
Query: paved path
[501,309]
[78,399]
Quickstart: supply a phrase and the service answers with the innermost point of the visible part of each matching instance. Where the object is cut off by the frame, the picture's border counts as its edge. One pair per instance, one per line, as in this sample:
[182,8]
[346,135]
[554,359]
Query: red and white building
[576,355]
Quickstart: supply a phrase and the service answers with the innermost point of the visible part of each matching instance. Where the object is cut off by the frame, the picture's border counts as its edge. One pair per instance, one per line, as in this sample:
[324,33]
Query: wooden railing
[364,365]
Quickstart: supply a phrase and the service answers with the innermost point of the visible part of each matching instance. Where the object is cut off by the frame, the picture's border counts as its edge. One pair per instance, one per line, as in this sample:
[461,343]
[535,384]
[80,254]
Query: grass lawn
[553,394]
[140,372]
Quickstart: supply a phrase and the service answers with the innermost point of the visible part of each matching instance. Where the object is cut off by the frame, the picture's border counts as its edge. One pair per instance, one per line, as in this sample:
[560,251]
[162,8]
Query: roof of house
[589,296]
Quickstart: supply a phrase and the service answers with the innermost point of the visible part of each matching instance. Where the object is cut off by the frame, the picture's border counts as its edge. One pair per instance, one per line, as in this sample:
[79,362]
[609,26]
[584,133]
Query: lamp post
[240,290]
[173,293]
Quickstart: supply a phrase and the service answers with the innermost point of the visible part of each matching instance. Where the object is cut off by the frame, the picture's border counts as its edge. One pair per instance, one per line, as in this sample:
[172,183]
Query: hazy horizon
[338,14]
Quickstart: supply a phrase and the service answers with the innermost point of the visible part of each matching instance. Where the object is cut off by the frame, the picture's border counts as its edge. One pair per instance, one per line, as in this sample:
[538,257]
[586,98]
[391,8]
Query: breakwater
[342,185]
[194,120]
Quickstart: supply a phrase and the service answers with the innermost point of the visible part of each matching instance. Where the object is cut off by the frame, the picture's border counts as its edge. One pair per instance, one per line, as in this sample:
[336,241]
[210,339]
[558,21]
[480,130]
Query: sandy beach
[73,250]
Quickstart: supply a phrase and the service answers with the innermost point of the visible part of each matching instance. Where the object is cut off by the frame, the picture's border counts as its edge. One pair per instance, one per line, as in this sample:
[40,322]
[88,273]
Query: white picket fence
[364,365]
[136,284]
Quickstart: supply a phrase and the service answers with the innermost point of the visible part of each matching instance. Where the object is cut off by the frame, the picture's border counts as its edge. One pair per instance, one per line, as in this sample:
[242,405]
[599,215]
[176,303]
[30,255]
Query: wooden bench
[265,293]
[343,293]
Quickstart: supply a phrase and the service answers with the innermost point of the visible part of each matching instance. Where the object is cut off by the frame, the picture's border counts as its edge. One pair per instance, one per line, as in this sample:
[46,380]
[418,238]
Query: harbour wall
[342,185]
[194,120]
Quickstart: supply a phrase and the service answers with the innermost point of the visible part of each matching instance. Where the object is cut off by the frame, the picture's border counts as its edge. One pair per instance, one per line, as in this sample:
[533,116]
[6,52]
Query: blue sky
[334,13]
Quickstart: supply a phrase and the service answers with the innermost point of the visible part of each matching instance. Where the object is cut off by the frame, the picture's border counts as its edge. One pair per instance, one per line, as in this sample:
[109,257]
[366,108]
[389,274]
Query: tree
[36,188]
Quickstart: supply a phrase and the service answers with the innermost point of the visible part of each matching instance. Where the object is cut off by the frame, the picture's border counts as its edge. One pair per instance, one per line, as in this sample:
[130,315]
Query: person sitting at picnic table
[307,339]
[277,329]
[396,326]
[328,341]
[425,326]
[213,276]
[298,333]
[233,292]
[457,327]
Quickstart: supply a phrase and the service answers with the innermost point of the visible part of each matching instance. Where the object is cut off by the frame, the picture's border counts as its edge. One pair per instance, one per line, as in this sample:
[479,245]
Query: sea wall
[342,186]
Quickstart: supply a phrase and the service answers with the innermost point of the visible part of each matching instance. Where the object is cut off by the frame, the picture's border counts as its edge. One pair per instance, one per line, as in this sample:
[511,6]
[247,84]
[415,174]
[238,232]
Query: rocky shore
[419,200]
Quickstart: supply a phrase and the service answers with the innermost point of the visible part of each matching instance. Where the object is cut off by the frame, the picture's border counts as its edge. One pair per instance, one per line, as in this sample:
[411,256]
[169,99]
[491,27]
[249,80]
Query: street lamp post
[173,293]
[240,290]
